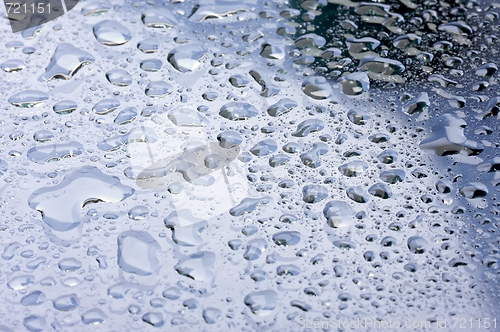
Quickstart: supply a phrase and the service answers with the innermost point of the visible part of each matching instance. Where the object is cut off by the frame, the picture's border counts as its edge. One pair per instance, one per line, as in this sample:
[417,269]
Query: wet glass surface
[254,165]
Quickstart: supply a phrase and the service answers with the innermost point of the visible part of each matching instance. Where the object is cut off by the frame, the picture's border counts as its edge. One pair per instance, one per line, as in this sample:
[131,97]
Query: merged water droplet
[158,89]
[261,303]
[54,152]
[211,315]
[473,190]
[447,138]
[84,185]
[355,83]
[28,98]
[314,193]
[309,126]
[21,282]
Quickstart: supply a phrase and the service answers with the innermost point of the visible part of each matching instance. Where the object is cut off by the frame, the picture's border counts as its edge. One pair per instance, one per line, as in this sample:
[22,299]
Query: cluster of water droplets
[244,165]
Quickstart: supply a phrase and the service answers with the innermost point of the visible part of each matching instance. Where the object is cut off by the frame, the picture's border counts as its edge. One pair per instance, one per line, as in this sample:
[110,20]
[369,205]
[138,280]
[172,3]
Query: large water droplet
[60,205]
[13,65]
[28,98]
[197,266]
[261,303]
[119,77]
[187,58]
[417,244]
[159,18]
[54,152]
[317,88]
[111,33]
[238,111]
[138,253]
[65,62]
[338,214]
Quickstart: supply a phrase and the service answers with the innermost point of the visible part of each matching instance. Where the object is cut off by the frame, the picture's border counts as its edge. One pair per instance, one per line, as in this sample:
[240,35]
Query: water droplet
[34,298]
[261,303]
[126,116]
[159,18]
[53,152]
[34,323]
[111,33]
[148,45]
[82,186]
[29,98]
[13,65]
[65,62]
[187,58]
[138,253]
[21,282]
[255,248]
[317,88]
[338,214]
[238,111]
[197,266]
[119,77]
[264,148]
[138,134]
[94,316]
[474,190]
[158,89]
[150,65]
[211,315]
[417,244]
[138,212]
[66,302]
[186,228]
[286,238]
